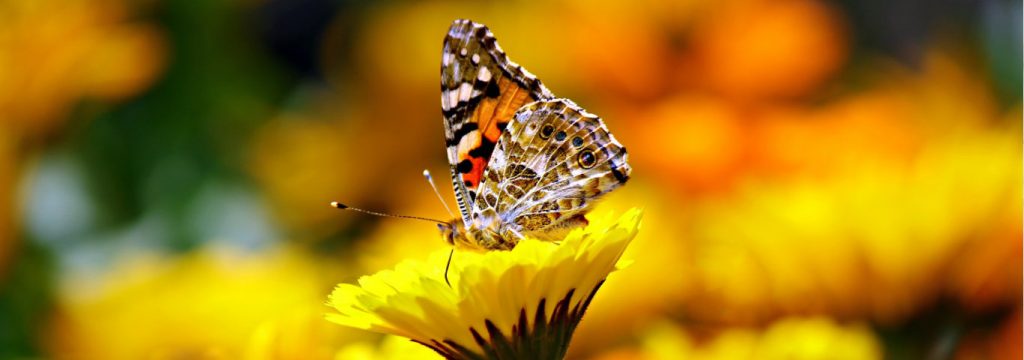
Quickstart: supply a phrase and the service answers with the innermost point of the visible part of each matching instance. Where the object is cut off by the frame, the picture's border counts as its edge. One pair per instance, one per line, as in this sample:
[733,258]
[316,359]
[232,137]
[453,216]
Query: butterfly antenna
[346,207]
[450,253]
[430,179]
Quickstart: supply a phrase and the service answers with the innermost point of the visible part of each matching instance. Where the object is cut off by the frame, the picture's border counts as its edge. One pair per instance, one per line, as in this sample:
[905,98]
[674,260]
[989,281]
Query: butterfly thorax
[484,234]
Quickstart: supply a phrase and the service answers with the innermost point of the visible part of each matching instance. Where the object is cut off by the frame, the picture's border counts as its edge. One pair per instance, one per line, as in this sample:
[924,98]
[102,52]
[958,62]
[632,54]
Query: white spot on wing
[468,141]
[484,75]
[476,58]
[463,52]
[453,98]
[465,92]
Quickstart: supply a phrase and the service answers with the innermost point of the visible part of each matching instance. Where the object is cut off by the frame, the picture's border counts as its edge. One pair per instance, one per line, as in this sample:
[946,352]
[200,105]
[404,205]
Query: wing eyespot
[560,136]
[586,159]
[577,141]
[546,131]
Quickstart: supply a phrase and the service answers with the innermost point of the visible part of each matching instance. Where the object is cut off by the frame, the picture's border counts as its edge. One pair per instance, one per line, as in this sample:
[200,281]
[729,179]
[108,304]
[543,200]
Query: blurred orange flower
[694,143]
[633,57]
[756,49]
[54,53]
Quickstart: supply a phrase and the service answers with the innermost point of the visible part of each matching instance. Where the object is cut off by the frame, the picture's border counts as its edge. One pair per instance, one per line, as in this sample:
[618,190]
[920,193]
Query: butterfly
[524,162]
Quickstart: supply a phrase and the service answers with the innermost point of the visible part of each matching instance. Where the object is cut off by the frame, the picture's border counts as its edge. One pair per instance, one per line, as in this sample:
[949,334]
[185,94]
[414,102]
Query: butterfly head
[452,230]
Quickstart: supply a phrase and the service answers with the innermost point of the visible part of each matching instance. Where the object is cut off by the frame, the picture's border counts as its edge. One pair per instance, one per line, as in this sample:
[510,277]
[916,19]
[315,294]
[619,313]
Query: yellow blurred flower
[302,163]
[306,159]
[876,241]
[54,53]
[299,333]
[388,348]
[520,303]
[215,304]
[789,338]
[394,240]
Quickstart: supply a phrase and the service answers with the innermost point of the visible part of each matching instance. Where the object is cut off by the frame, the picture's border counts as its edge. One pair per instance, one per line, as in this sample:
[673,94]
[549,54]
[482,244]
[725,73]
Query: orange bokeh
[754,49]
[43,74]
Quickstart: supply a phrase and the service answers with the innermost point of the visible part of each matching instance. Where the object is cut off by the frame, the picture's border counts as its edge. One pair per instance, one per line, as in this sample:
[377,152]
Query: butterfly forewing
[481,89]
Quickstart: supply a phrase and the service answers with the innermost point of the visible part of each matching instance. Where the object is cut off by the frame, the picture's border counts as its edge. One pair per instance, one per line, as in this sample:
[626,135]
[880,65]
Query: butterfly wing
[480,91]
[550,166]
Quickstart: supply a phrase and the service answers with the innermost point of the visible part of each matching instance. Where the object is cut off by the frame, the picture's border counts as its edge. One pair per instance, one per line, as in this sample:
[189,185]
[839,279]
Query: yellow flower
[788,338]
[390,347]
[523,303]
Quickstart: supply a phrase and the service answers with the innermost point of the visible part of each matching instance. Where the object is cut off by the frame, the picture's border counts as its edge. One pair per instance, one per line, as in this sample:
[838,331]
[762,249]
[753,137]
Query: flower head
[522,303]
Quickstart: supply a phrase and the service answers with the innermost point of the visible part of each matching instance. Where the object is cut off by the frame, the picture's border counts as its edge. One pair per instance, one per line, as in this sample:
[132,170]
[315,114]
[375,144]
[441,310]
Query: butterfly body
[524,163]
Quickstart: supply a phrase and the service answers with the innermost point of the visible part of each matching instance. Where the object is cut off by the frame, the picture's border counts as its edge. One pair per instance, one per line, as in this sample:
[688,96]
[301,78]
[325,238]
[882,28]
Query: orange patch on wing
[472,179]
[492,114]
[494,111]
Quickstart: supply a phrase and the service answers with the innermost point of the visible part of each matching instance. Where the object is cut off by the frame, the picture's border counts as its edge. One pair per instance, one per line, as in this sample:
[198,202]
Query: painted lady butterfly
[524,163]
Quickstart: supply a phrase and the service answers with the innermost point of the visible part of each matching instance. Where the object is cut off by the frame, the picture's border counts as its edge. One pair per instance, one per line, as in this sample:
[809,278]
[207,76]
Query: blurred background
[820,179]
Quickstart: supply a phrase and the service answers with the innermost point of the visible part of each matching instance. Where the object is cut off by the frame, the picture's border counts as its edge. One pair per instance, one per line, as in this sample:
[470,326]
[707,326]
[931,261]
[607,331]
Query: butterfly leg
[518,236]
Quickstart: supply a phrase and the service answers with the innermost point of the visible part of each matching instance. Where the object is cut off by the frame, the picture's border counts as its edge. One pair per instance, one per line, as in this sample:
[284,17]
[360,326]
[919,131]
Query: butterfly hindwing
[481,89]
[548,168]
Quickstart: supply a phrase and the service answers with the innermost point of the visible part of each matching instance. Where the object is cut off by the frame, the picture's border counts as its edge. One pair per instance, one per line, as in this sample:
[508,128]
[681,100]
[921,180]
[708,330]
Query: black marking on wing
[464,166]
[493,91]
[619,175]
[462,131]
[485,149]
